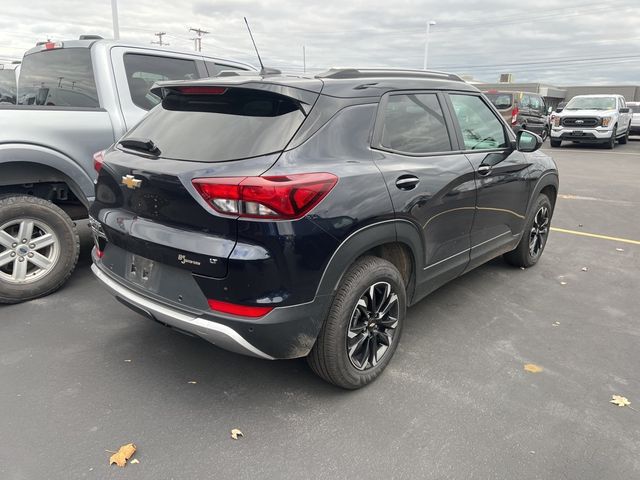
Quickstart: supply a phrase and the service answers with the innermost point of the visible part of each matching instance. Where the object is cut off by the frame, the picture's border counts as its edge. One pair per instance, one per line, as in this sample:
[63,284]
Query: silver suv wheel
[29,249]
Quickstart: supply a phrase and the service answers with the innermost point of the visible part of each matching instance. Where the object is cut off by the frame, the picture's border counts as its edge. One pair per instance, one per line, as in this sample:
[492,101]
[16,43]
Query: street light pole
[426,43]
[114,13]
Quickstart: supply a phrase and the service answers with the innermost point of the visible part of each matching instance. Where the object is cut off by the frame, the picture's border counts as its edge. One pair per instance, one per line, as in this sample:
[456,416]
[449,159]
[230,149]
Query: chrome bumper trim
[216,333]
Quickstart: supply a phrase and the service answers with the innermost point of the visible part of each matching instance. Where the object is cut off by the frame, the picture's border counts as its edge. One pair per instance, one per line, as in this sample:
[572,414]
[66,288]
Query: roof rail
[90,37]
[386,72]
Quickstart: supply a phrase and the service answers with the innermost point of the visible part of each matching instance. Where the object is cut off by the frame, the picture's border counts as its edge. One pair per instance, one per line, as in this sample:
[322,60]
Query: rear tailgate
[145,199]
[149,207]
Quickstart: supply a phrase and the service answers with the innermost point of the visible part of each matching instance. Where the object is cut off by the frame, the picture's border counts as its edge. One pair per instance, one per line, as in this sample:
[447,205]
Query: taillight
[52,45]
[284,197]
[240,310]
[514,115]
[98,160]
[202,90]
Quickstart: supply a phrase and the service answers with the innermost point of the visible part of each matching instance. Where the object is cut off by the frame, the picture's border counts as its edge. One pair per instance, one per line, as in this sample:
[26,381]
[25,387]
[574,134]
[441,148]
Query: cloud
[551,43]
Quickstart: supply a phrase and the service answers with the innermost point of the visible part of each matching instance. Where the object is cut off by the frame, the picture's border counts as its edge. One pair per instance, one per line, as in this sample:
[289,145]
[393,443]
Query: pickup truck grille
[581,122]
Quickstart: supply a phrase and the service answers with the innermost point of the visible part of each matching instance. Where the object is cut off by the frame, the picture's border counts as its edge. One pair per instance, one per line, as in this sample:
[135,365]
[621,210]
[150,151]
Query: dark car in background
[285,217]
[521,110]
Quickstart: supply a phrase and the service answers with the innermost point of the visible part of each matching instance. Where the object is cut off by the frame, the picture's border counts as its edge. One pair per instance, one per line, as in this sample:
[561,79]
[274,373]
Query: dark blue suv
[284,217]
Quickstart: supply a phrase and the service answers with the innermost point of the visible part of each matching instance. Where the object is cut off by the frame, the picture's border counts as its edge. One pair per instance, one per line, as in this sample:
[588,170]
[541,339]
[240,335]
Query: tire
[624,139]
[544,134]
[330,356]
[611,144]
[523,255]
[555,143]
[49,254]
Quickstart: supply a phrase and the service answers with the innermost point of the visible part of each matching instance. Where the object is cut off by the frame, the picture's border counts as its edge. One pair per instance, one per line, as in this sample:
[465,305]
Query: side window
[144,70]
[525,102]
[414,123]
[215,68]
[481,130]
[535,102]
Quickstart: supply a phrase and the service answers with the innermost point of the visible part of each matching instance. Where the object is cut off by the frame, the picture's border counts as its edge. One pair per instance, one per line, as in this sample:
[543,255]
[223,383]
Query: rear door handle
[407,182]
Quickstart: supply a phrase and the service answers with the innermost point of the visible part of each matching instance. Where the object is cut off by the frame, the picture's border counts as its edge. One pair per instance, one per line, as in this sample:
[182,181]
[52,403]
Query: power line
[545,62]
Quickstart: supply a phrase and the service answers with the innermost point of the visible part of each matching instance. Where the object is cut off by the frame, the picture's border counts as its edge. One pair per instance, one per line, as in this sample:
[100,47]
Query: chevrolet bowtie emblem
[130,181]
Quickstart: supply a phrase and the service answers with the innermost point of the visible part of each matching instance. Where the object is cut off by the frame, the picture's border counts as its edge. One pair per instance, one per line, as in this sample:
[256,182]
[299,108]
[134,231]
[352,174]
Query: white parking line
[589,152]
[622,203]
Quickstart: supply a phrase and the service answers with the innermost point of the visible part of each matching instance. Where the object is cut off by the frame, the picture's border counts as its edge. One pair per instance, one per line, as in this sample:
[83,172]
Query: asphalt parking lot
[80,374]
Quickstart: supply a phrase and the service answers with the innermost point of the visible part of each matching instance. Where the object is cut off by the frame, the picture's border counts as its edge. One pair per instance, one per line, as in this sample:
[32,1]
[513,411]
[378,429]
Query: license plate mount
[142,272]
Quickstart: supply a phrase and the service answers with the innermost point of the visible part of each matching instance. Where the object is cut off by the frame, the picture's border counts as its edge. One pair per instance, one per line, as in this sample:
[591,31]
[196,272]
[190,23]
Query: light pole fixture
[430,23]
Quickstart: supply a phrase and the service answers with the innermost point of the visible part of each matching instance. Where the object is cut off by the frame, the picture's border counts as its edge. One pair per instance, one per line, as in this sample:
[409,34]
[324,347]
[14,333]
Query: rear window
[61,78]
[239,123]
[214,68]
[500,100]
[145,70]
[7,86]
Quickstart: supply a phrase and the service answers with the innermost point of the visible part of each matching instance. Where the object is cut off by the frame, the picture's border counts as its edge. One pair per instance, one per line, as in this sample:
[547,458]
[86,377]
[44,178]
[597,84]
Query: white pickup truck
[592,119]
[74,98]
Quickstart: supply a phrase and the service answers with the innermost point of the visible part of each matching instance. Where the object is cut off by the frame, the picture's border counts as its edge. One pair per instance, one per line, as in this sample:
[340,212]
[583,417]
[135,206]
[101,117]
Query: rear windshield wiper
[141,144]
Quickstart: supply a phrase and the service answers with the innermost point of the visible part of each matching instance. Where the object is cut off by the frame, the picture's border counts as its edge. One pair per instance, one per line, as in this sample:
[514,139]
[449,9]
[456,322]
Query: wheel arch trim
[80,183]
[364,239]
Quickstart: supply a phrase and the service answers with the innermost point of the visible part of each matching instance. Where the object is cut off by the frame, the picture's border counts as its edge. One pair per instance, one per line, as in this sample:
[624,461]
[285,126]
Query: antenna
[254,46]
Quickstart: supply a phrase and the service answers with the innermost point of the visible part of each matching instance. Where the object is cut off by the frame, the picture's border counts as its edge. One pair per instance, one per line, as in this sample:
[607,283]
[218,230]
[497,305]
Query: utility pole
[426,43]
[116,25]
[198,39]
[160,42]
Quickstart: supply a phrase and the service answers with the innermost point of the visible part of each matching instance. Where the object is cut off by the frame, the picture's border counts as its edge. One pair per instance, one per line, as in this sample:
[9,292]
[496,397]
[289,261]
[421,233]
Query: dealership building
[553,95]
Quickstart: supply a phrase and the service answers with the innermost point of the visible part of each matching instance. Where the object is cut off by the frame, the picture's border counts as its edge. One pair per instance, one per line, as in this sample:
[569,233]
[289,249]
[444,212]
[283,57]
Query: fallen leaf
[122,455]
[620,401]
[619,249]
[128,361]
[556,324]
[235,433]
[134,461]
[563,283]
[521,268]
[192,382]
[532,368]
[580,225]
[584,269]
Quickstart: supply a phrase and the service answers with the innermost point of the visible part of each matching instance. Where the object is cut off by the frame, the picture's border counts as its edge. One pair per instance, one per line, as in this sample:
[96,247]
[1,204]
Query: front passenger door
[501,174]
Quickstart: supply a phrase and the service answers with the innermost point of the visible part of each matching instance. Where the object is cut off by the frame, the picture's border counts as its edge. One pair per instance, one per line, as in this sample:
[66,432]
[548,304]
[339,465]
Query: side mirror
[624,110]
[528,141]
[559,109]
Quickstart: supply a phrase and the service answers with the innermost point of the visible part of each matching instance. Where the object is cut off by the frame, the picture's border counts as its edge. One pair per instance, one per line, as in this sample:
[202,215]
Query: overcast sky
[559,42]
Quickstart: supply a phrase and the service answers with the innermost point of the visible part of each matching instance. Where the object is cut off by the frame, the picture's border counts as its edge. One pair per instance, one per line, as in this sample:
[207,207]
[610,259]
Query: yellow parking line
[595,235]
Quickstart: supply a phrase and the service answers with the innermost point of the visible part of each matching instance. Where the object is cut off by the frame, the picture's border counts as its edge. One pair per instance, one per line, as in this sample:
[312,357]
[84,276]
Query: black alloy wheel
[372,326]
[539,231]
[363,326]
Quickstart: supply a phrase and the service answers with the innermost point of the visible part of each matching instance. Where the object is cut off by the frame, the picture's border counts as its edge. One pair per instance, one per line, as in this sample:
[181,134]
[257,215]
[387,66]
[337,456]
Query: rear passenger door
[431,185]
[136,70]
[501,174]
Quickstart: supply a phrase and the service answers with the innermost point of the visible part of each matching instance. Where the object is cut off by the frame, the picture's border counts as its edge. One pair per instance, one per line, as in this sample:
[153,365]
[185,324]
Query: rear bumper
[581,135]
[286,332]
